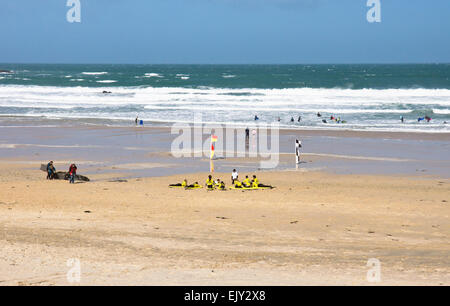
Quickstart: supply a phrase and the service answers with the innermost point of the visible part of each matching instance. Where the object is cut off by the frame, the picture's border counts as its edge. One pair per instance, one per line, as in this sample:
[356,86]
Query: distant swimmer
[299,118]
[420,119]
[256,117]
[106,92]
[319,115]
[136,120]
[324,121]
[279,119]
[427,118]
[292,119]
[402,119]
[331,117]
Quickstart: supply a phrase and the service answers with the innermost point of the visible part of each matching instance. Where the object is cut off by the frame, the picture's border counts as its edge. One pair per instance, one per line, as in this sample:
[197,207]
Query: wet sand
[102,150]
[347,202]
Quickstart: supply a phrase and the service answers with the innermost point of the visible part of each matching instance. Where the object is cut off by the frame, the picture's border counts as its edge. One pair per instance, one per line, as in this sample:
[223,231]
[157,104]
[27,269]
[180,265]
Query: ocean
[364,97]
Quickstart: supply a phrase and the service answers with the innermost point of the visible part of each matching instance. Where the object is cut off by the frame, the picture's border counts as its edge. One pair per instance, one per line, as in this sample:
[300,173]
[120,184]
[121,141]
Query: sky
[224,32]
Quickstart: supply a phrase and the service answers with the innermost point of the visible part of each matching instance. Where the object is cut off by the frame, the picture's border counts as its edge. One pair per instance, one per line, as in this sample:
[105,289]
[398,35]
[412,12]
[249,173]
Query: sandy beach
[319,226]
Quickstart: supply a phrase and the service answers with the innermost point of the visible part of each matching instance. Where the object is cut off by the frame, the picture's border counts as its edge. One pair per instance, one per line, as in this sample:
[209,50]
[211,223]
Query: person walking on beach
[234,176]
[72,173]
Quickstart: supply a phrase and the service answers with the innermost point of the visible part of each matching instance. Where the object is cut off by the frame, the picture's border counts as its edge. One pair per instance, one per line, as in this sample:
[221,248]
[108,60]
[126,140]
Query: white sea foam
[107,81]
[94,73]
[441,111]
[152,75]
[362,109]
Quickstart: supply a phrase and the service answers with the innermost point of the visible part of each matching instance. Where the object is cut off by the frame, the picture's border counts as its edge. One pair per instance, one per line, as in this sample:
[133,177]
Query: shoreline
[313,131]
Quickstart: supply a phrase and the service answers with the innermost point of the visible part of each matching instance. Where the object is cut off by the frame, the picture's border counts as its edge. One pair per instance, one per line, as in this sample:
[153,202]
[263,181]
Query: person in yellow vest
[209,182]
[193,186]
[237,184]
[256,183]
[217,183]
[222,185]
[183,184]
[246,182]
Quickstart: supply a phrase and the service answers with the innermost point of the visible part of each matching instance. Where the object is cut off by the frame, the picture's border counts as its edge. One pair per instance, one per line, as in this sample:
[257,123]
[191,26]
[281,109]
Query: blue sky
[224,31]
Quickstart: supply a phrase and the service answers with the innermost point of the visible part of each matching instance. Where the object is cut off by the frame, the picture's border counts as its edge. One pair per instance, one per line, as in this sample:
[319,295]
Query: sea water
[364,97]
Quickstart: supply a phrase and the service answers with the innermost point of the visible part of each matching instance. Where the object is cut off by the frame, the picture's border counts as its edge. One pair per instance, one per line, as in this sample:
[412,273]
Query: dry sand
[313,229]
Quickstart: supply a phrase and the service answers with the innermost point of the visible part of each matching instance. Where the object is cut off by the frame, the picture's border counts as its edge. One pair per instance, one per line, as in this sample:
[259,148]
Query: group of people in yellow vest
[211,184]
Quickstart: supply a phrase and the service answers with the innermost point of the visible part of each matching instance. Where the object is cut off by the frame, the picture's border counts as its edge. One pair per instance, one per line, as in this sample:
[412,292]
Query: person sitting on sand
[221,186]
[72,173]
[209,182]
[237,184]
[183,184]
[246,182]
[50,171]
[217,183]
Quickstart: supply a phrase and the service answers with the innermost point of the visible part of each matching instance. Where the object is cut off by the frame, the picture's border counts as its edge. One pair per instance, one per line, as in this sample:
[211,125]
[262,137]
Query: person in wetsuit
[183,184]
[209,182]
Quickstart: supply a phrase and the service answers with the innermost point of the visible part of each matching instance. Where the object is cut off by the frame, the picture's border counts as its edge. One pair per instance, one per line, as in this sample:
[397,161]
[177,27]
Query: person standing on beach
[136,120]
[247,134]
[50,171]
[234,176]
[72,173]
[298,145]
